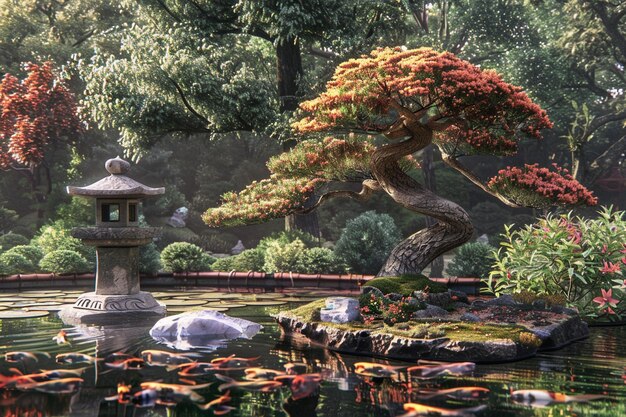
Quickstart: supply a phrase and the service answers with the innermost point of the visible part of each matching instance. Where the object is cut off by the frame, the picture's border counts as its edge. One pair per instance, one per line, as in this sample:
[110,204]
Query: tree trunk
[453,228]
[289,70]
[428,170]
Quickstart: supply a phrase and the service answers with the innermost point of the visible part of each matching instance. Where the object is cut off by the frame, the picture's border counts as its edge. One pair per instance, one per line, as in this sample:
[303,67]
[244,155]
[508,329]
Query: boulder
[238,248]
[340,310]
[503,300]
[469,317]
[202,328]
[431,312]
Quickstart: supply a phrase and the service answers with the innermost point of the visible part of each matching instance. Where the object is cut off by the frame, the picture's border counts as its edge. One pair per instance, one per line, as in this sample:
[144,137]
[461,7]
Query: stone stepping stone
[58,307]
[22,314]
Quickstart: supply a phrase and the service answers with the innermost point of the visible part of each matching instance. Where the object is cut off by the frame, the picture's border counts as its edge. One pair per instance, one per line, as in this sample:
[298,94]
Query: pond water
[596,365]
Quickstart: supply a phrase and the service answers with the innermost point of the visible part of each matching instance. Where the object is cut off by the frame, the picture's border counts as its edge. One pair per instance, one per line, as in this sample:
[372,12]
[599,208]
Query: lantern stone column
[117,237]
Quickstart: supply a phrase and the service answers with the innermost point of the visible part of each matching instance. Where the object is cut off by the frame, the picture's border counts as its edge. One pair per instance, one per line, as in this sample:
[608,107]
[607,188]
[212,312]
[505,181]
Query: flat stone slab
[555,330]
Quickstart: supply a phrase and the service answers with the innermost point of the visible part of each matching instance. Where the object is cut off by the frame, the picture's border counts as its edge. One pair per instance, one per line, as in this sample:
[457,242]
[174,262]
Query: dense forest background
[201,93]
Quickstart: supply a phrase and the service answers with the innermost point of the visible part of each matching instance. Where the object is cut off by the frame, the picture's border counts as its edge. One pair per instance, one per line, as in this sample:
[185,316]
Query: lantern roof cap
[116,185]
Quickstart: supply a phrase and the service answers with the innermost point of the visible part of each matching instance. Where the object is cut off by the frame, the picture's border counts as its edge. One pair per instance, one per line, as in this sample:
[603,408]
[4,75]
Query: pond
[596,365]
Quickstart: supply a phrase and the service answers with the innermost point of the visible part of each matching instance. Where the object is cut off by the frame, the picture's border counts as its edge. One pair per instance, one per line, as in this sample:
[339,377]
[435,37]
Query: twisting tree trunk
[428,170]
[454,228]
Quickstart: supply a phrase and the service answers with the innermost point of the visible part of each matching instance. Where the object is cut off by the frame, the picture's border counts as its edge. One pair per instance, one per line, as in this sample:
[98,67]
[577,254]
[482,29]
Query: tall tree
[36,113]
[413,99]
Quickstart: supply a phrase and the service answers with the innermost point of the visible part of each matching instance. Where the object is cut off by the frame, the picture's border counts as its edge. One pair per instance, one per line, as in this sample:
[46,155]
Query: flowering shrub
[540,187]
[375,308]
[583,260]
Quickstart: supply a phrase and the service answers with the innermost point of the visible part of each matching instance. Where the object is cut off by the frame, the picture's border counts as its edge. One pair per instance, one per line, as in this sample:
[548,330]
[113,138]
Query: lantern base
[92,308]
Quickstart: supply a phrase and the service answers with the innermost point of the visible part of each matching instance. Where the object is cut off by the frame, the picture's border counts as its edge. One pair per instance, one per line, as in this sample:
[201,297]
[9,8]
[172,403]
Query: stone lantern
[117,237]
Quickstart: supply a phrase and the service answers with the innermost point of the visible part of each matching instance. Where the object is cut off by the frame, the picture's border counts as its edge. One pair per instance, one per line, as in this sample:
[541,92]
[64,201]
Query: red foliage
[34,112]
[475,107]
[554,186]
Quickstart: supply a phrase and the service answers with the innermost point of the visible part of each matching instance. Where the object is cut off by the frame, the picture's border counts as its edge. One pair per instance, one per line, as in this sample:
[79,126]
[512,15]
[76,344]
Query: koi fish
[543,398]
[21,356]
[304,385]
[127,364]
[145,398]
[55,386]
[415,410]
[432,371]
[163,358]
[262,386]
[75,357]
[117,356]
[232,362]
[459,393]
[123,394]
[61,338]
[175,392]
[218,405]
[294,368]
[195,368]
[376,370]
[42,376]
[258,374]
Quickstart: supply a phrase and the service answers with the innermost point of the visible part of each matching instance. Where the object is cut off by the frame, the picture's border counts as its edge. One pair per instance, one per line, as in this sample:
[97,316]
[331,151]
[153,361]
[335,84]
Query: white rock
[340,310]
[238,248]
[202,328]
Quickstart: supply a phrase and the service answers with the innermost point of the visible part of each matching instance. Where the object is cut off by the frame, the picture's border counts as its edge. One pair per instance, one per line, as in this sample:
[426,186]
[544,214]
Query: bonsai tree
[411,99]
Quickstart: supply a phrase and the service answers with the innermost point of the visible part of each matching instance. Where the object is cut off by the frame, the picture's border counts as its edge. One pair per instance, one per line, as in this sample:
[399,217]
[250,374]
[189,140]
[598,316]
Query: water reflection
[592,366]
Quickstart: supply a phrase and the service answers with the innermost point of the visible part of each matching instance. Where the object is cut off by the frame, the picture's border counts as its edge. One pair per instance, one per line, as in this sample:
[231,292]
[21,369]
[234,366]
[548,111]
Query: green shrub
[149,259]
[322,261]
[285,237]
[10,240]
[284,257]
[249,260]
[224,264]
[55,236]
[14,263]
[8,219]
[472,260]
[406,284]
[366,242]
[185,257]
[216,242]
[64,262]
[579,259]
[30,252]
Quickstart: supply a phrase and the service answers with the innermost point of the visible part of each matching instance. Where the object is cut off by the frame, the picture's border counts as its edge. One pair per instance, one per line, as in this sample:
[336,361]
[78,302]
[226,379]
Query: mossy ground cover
[406,284]
[466,332]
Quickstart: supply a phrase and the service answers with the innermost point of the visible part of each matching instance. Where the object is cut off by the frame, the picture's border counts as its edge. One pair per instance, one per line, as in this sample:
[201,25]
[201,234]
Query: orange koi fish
[19,378]
[543,398]
[218,405]
[435,370]
[61,338]
[259,374]
[123,394]
[377,370]
[21,356]
[175,392]
[127,364]
[232,362]
[294,368]
[75,357]
[305,385]
[195,368]
[55,386]
[415,410]
[145,398]
[262,386]
[459,393]
[163,358]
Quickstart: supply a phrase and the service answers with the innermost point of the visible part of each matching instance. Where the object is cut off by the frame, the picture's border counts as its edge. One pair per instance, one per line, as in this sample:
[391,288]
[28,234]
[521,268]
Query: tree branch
[186,103]
[368,187]
[607,159]
[454,163]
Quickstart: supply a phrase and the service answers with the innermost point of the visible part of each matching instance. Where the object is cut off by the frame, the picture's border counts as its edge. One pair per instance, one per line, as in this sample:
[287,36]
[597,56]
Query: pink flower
[604,248]
[610,268]
[606,298]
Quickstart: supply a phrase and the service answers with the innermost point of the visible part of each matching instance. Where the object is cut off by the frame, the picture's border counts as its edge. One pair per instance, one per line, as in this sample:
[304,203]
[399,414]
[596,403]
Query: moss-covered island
[411,318]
